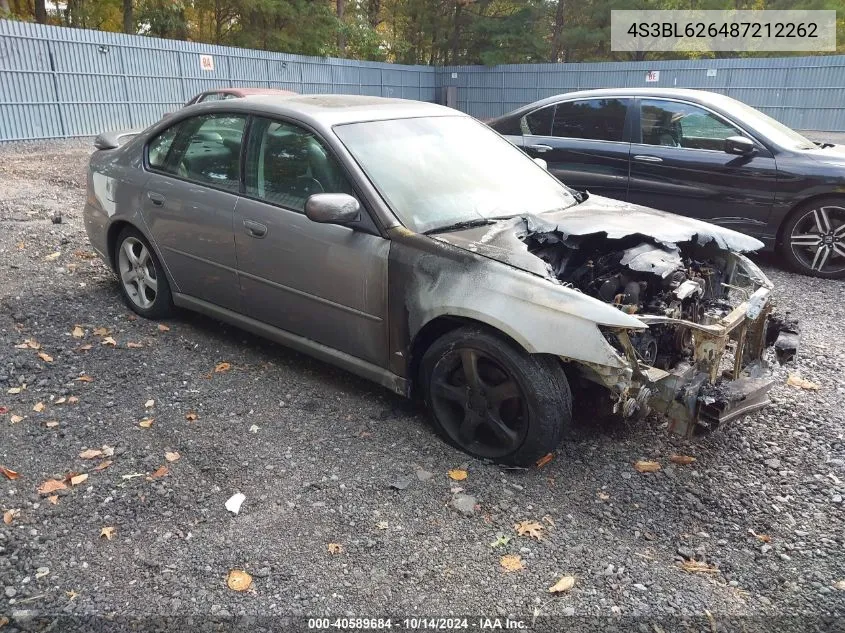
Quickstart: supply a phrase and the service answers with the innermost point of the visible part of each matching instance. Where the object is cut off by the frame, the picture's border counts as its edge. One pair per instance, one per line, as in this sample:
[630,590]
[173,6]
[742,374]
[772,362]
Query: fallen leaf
[646,467]
[77,332]
[512,562]
[146,423]
[149,403]
[60,400]
[163,328]
[52,256]
[84,255]
[10,515]
[45,357]
[235,502]
[564,584]
[549,520]
[108,451]
[9,473]
[109,341]
[84,379]
[3,619]
[545,459]
[103,465]
[132,345]
[840,585]
[191,416]
[51,485]
[54,499]
[51,424]
[221,367]
[38,407]
[335,548]
[253,428]
[765,538]
[132,476]
[91,453]
[79,479]
[16,418]
[530,528]
[382,525]
[14,390]
[603,495]
[107,532]
[501,541]
[101,331]
[72,595]
[795,380]
[160,472]
[697,566]
[4,410]
[457,474]
[172,456]
[683,460]
[72,400]
[238,580]
[84,348]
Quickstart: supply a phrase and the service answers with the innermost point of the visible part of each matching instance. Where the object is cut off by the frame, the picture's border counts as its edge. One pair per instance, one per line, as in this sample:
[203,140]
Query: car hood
[615,220]
[834,155]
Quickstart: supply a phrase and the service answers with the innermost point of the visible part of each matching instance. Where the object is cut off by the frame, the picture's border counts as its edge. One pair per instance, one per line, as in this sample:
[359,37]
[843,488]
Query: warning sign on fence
[207,62]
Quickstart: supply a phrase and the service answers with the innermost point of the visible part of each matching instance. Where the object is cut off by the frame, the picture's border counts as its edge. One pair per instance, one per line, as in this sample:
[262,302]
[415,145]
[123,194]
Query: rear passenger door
[189,202]
[586,143]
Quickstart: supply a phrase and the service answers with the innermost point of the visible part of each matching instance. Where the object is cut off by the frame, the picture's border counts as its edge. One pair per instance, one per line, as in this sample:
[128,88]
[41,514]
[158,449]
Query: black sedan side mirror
[332,208]
[739,145]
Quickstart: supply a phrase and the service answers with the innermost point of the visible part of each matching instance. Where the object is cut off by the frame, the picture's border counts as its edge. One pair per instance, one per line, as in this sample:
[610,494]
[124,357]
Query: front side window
[204,149]
[676,124]
[592,119]
[285,164]
[539,122]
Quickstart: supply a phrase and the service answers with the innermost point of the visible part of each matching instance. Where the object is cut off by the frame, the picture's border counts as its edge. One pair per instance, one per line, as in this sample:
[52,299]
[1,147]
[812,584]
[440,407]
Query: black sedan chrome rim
[478,403]
[818,239]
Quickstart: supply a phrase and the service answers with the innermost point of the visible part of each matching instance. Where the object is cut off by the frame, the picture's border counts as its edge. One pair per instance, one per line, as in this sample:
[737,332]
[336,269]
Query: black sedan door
[585,143]
[679,164]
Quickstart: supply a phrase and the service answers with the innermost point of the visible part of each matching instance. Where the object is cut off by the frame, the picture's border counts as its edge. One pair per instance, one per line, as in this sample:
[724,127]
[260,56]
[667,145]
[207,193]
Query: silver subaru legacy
[412,245]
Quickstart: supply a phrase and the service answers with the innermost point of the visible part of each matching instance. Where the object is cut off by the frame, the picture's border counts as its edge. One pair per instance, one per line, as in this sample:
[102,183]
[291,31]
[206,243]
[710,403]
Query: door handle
[255,229]
[648,159]
[156,198]
[540,148]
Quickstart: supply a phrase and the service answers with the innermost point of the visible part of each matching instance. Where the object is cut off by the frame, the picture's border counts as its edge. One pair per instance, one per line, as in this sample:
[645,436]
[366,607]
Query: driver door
[323,282]
[678,164]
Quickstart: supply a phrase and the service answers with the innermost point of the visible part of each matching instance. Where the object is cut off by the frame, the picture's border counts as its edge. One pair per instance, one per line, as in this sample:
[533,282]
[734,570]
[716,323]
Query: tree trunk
[40,11]
[454,45]
[128,17]
[557,31]
[341,36]
[373,11]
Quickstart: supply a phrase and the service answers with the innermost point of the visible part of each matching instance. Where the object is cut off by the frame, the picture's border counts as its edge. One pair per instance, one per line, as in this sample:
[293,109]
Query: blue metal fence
[58,82]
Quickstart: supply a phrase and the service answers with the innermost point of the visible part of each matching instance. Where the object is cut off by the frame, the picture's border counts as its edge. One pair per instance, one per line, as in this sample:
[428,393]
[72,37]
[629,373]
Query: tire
[519,408]
[813,238]
[142,281]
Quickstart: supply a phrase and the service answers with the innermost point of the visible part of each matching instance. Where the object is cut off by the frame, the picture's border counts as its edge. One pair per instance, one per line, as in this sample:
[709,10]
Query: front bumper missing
[712,388]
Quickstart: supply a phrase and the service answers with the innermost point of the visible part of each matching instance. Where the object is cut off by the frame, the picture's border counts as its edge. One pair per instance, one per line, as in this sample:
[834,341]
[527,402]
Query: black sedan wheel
[814,239]
[494,400]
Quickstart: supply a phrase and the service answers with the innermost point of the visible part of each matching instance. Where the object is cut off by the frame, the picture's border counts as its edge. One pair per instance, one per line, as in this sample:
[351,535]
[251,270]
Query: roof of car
[245,92]
[699,96]
[328,110]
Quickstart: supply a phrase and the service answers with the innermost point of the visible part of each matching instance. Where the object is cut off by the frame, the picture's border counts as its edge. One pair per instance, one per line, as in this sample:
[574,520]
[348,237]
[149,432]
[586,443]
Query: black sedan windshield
[436,172]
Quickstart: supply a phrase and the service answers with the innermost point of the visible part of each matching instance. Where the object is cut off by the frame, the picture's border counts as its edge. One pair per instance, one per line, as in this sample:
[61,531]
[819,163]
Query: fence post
[120,49]
[55,79]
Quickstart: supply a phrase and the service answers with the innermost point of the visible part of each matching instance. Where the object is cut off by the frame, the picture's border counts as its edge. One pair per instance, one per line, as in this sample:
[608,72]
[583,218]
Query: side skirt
[354,365]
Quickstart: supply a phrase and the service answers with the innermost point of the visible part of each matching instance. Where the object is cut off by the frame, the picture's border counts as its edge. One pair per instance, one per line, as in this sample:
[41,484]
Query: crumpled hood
[596,215]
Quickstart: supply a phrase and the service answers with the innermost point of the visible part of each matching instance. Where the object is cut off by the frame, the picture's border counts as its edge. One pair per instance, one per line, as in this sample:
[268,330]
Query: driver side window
[675,124]
[286,164]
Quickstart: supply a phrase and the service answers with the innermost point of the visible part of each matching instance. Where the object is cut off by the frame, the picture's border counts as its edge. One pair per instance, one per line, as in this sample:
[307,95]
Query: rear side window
[592,119]
[285,164]
[204,149]
[539,122]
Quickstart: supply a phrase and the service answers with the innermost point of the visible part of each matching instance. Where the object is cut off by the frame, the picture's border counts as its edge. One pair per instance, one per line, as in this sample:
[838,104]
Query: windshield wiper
[466,224]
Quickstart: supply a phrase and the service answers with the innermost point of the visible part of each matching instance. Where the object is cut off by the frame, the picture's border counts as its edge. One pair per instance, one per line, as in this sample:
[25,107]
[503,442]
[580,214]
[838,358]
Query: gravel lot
[325,458]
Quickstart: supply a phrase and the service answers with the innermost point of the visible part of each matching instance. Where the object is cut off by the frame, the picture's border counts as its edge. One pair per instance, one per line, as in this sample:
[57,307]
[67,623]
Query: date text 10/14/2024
[416,623]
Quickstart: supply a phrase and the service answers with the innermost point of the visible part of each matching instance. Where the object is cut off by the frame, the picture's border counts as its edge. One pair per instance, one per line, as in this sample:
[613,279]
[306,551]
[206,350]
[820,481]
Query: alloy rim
[478,403]
[137,273]
[818,240]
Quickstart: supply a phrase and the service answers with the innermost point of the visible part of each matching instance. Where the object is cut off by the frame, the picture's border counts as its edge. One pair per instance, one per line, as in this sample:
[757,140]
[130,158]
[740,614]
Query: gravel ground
[325,458]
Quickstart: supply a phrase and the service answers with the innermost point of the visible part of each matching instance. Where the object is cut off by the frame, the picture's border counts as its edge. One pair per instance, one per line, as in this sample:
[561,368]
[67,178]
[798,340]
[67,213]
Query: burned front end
[708,311]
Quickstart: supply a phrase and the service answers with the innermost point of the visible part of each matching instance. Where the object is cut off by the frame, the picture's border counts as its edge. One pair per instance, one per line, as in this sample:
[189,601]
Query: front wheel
[814,238]
[492,399]
[143,283]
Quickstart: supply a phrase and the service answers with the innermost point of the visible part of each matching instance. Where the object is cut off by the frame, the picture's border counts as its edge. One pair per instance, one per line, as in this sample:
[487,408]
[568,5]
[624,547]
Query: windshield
[774,130]
[436,172]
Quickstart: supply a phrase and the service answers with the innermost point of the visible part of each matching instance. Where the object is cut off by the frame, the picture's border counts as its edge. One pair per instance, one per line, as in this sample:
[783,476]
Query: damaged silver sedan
[412,245]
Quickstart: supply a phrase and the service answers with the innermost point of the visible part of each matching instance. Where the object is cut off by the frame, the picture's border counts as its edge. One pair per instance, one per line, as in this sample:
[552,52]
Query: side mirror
[542,163]
[739,145]
[332,208]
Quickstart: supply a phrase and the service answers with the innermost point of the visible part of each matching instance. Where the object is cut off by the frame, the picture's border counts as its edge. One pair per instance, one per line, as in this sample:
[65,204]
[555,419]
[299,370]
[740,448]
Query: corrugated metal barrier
[57,82]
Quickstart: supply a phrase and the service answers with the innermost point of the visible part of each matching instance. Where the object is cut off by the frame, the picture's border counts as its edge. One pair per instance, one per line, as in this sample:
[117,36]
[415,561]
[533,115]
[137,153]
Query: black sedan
[698,154]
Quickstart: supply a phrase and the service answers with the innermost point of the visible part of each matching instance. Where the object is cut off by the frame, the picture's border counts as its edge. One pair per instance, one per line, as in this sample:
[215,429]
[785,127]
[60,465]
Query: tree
[128,18]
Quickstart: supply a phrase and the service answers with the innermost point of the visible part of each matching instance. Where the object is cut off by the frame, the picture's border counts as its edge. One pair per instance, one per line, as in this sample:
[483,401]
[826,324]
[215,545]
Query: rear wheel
[492,399]
[814,238]
[142,280]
